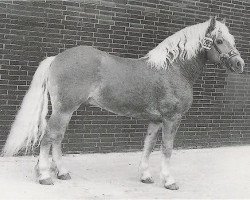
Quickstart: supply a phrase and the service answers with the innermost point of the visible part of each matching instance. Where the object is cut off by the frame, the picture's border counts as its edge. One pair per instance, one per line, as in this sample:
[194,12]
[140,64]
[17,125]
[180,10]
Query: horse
[157,87]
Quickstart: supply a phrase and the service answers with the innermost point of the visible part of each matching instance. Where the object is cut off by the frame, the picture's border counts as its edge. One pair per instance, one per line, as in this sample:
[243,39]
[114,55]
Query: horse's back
[81,57]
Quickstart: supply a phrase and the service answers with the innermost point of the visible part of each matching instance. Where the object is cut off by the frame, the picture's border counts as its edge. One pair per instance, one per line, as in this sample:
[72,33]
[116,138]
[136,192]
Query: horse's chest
[175,98]
[172,105]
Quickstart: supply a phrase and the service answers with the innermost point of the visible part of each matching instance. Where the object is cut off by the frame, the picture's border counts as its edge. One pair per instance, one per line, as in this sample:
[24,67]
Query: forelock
[223,29]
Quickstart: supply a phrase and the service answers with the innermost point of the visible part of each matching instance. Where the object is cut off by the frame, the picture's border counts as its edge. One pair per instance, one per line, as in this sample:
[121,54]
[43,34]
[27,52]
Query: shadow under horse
[157,87]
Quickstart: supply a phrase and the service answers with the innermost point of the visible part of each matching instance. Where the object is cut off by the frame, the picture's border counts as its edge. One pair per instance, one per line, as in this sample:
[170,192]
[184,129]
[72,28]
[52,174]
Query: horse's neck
[192,69]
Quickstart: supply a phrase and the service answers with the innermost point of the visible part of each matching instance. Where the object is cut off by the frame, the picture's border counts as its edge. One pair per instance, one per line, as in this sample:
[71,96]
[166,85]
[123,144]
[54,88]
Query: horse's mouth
[235,69]
[232,69]
[226,65]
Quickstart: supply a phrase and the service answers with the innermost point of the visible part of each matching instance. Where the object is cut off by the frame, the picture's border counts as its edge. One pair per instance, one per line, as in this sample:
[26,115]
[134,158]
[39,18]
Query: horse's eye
[219,41]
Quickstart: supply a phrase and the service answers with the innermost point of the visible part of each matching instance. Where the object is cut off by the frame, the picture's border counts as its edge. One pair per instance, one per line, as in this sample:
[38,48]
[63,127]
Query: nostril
[238,64]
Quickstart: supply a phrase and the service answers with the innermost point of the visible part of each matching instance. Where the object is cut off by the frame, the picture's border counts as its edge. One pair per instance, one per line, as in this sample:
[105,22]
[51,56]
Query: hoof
[148,180]
[64,176]
[173,186]
[47,181]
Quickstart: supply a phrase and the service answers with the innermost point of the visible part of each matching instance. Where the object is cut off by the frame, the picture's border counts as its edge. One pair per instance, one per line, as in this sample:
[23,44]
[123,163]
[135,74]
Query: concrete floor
[201,173]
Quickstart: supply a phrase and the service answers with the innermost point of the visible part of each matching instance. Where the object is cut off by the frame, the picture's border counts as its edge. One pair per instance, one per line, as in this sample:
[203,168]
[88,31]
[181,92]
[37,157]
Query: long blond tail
[30,123]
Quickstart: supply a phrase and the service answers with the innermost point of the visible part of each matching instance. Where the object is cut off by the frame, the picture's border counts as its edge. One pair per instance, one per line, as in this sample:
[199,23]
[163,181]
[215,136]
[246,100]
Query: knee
[52,137]
[56,136]
[166,151]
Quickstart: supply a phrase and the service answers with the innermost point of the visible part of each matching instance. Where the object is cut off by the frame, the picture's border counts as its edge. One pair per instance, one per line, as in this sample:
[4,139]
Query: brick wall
[30,31]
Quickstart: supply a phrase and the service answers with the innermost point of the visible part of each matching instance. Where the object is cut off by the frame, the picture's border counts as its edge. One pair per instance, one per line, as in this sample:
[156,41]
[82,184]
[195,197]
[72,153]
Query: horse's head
[220,46]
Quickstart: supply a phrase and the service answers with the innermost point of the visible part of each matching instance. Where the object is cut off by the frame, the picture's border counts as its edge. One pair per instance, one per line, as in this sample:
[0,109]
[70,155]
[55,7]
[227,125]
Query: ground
[201,173]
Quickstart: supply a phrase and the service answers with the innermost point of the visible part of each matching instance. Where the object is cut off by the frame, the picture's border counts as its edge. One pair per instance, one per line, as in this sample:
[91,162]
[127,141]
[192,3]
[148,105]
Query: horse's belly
[127,106]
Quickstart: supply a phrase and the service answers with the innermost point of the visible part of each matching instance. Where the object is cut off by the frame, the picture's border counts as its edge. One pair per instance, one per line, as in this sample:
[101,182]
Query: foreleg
[168,134]
[149,144]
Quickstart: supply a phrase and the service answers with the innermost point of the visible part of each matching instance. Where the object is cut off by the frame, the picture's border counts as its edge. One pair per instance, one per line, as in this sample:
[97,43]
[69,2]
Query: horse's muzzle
[237,64]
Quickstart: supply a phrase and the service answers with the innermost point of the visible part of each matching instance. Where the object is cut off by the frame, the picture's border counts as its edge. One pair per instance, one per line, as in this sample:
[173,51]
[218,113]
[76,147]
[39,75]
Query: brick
[30,31]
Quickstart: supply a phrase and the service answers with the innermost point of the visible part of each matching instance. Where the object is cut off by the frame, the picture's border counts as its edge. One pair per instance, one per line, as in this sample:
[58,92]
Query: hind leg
[61,172]
[42,167]
[53,136]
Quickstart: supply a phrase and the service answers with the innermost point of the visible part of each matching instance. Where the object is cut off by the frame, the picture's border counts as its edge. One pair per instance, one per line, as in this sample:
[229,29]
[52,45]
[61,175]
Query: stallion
[157,87]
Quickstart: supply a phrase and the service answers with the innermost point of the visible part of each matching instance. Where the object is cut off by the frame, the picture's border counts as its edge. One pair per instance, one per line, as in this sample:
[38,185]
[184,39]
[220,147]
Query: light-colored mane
[184,44]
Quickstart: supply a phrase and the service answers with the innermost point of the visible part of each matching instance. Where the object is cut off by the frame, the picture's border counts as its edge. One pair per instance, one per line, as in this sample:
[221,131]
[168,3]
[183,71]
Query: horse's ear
[223,21]
[212,23]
